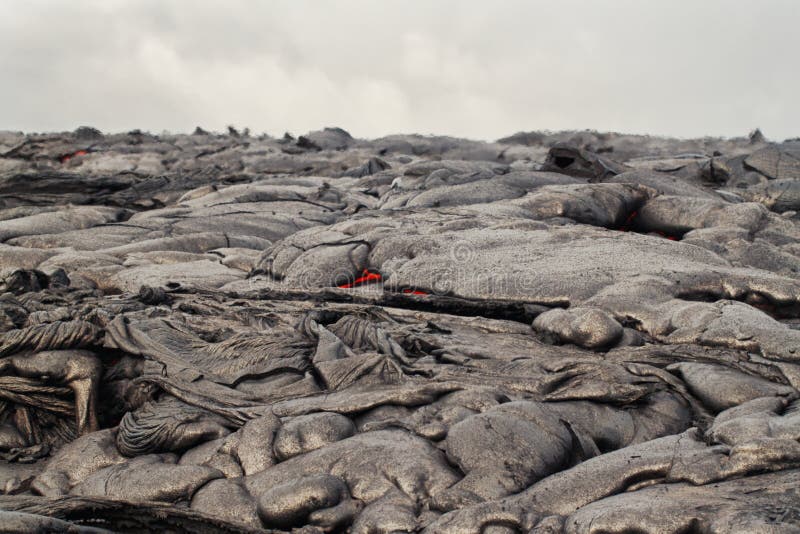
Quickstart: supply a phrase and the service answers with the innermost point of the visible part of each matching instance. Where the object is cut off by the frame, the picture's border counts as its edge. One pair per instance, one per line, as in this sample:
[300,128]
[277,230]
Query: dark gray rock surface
[556,332]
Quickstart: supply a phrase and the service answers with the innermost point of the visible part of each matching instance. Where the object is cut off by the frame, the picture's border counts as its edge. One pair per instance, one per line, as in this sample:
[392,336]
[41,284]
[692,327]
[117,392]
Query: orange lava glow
[68,157]
[367,277]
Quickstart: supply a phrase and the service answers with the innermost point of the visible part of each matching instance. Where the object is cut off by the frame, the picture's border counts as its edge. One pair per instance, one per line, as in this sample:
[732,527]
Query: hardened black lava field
[556,332]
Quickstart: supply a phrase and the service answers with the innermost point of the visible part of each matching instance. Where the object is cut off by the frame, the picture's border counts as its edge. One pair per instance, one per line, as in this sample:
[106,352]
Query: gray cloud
[469,68]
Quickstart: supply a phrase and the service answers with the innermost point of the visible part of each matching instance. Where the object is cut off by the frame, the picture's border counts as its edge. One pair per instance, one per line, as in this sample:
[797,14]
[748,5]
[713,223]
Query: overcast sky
[473,68]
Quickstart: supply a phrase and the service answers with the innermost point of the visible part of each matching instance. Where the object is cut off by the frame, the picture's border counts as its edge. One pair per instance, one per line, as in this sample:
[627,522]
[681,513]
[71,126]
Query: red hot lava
[367,277]
[66,157]
[370,277]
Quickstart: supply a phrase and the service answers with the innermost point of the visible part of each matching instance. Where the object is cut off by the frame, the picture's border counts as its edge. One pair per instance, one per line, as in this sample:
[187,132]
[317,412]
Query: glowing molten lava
[65,158]
[414,292]
[367,277]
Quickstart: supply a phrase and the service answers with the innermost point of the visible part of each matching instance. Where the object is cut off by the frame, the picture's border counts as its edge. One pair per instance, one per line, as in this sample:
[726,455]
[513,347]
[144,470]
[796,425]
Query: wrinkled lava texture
[554,332]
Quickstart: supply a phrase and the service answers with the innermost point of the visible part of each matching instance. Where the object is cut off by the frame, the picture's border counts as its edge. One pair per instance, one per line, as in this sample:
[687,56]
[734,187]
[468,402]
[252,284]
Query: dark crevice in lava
[562,162]
[776,310]
[633,323]
[523,312]
[627,226]
[491,309]
[631,224]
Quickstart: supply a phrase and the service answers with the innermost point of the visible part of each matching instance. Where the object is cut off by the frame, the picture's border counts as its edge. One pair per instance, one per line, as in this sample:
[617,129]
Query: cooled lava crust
[556,332]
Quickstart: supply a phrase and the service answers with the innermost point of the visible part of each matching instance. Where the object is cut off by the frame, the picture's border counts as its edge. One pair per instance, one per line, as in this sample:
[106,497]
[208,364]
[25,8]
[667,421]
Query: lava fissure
[631,224]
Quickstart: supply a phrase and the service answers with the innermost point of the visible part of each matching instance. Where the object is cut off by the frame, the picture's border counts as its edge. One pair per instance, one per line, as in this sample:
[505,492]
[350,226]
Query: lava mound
[556,332]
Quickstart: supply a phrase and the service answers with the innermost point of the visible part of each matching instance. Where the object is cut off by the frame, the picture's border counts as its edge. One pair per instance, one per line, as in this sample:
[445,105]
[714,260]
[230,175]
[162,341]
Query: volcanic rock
[574,332]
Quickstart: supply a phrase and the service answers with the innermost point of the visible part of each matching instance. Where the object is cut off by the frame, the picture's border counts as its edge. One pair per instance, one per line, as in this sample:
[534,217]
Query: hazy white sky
[473,68]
